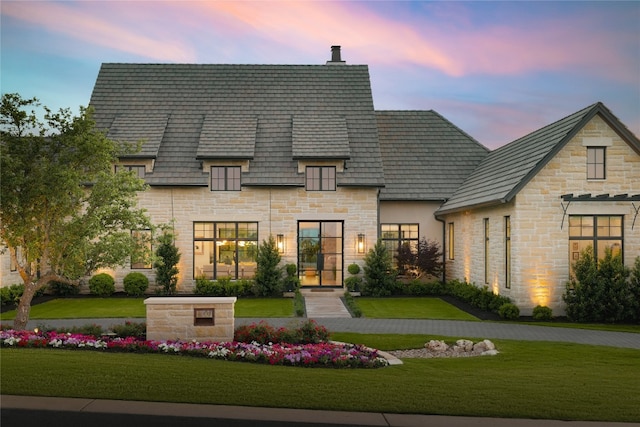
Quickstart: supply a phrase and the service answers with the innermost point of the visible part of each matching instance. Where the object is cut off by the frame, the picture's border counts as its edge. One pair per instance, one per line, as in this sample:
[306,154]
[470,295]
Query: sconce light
[360,244]
[280,243]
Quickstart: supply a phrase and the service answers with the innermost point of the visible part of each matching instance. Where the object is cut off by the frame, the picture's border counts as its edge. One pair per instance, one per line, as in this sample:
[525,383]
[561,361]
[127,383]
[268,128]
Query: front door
[320,253]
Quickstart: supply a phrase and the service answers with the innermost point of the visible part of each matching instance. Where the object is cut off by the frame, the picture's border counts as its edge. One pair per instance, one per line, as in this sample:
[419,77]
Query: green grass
[526,380]
[96,308]
[410,308]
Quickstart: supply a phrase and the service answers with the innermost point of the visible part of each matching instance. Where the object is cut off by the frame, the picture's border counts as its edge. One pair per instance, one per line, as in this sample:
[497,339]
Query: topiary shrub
[291,281]
[353,283]
[542,313]
[102,285]
[166,263]
[135,284]
[379,274]
[509,311]
[268,277]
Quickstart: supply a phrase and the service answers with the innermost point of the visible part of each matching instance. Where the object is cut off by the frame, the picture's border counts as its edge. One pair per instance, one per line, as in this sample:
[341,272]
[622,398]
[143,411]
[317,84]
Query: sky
[498,70]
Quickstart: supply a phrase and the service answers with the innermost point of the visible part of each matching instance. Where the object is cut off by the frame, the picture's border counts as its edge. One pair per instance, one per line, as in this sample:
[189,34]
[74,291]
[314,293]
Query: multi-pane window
[596,163]
[321,178]
[225,178]
[452,241]
[138,169]
[395,235]
[225,249]
[507,252]
[486,250]
[597,231]
[140,257]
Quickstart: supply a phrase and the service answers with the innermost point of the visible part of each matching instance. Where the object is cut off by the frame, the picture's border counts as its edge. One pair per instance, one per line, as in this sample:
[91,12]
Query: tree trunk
[24,306]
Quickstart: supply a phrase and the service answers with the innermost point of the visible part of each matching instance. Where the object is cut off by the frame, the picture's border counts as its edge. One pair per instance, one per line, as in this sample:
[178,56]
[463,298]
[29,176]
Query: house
[234,154]
[523,216]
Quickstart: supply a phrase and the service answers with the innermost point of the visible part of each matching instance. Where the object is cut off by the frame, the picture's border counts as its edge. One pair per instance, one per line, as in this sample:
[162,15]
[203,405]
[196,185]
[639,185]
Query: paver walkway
[324,305]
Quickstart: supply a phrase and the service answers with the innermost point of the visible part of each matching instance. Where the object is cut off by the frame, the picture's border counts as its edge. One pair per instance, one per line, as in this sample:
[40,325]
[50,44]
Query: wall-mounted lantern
[360,244]
[280,243]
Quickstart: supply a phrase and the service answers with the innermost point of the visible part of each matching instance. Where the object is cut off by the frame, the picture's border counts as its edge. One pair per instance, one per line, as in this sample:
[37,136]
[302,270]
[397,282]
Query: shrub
[223,287]
[208,287]
[509,311]
[268,275]
[291,281]
[102,285]
[599,292]
[352,305]
[130,329]
[63,289]
[89,329]
[379,274]
[298,304]
[11,294]
[167,258]
[419,287]
[353,283]
[634,290]
[353,269]
[308,332]
[135,284]
[542,313]
[478,297]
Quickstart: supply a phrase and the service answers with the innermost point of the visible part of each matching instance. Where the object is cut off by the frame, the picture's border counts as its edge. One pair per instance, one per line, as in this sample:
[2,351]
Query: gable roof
[425,157]
[242,112]
[504,172]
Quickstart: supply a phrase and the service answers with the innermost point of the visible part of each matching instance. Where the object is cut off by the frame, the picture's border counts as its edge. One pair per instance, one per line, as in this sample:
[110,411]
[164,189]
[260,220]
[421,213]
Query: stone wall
[186,318]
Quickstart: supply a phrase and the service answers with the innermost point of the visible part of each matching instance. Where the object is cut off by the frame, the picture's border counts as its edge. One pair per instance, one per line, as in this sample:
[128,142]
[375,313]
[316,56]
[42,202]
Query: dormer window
[225,178]
[138,169]
[321,178]
[596,162]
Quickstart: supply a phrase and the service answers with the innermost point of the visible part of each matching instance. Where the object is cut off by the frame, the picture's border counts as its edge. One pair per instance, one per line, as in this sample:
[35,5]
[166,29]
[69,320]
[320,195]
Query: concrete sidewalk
[26,411]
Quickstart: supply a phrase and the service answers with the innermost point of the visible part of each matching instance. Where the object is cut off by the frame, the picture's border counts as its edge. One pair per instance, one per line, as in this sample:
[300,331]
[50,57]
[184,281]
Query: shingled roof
[190,112]
[505,171]
[425,157]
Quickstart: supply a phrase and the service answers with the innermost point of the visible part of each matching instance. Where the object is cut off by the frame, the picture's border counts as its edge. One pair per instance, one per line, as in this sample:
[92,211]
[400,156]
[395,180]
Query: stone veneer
[539,246]
[173,318]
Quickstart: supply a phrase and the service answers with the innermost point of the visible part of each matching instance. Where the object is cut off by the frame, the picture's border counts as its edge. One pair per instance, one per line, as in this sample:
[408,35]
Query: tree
[379,274]
[167,259]
[64,212]
[425,261]
[268,274]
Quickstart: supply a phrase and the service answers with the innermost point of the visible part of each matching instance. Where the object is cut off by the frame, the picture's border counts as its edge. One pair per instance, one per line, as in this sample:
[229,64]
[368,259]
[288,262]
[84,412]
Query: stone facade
[539,227]
[185,319]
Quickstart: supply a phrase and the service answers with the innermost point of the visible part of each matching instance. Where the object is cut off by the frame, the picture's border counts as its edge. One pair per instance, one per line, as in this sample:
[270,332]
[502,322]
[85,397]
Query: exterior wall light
[280,243]
[360,245]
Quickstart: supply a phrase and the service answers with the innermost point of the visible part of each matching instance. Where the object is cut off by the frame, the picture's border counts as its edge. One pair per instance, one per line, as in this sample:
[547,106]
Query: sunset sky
[497,70]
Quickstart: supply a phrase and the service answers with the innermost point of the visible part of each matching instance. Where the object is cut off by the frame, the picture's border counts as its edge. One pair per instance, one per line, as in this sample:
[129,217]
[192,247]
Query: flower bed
[323,354]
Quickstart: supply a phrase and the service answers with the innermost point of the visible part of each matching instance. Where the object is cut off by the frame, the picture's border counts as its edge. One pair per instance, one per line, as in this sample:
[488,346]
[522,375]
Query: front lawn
[526,380]
[410,308]
[96,308]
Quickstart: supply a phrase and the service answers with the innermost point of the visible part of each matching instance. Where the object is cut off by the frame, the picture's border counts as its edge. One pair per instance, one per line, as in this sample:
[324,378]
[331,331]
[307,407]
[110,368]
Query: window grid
[597,231]
[138,169]
[225,178]
[596,163]
[486,250]
[225,249]
[507,251]
[395,235]
[320,178]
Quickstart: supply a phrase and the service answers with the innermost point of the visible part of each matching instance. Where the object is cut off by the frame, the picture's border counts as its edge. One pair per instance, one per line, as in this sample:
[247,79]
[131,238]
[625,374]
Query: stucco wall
[540,254]
[421,213]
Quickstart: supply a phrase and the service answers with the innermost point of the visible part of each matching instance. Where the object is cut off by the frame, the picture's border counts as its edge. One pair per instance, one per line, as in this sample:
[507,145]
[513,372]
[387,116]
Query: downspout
[444,248]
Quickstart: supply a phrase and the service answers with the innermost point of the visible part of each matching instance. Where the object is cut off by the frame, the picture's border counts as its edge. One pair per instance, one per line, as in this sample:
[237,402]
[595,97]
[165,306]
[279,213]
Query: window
[141,255]
[395,235]
[225,249]
[451,241]
[507,252]
[486,250]
[225,178]
[13,264]
[596,162]
[321,178]
[597,231]
[138,169]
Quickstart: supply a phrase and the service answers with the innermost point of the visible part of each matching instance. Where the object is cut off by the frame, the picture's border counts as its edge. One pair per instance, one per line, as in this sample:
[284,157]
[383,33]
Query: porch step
[321,304]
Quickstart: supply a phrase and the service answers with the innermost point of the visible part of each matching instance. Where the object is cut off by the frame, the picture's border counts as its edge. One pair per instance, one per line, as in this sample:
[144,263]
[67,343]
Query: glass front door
[320,253]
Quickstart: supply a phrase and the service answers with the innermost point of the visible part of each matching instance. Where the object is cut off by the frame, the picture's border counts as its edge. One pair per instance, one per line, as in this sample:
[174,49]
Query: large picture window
[321,178]
[138,169]
[225,249]
[597,231]
[395,235]
[452,241]
[225,178]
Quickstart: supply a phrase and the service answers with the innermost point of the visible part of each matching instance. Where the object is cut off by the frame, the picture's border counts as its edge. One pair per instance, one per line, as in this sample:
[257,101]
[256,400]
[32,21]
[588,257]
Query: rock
[480,347]
[437,346]
[489,344]
[492,352]
[464,345]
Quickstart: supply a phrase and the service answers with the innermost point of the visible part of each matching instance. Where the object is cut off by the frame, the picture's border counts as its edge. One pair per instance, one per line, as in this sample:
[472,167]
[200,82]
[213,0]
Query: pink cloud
[113,25]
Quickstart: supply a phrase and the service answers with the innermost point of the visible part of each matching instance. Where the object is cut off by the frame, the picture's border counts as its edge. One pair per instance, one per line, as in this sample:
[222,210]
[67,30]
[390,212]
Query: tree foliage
[600,291]
[64,212]
[425,260]
[379,273]
[268,273]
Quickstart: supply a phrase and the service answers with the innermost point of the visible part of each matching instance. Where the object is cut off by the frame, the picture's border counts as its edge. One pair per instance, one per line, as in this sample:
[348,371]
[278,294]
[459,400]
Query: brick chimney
[335,56]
